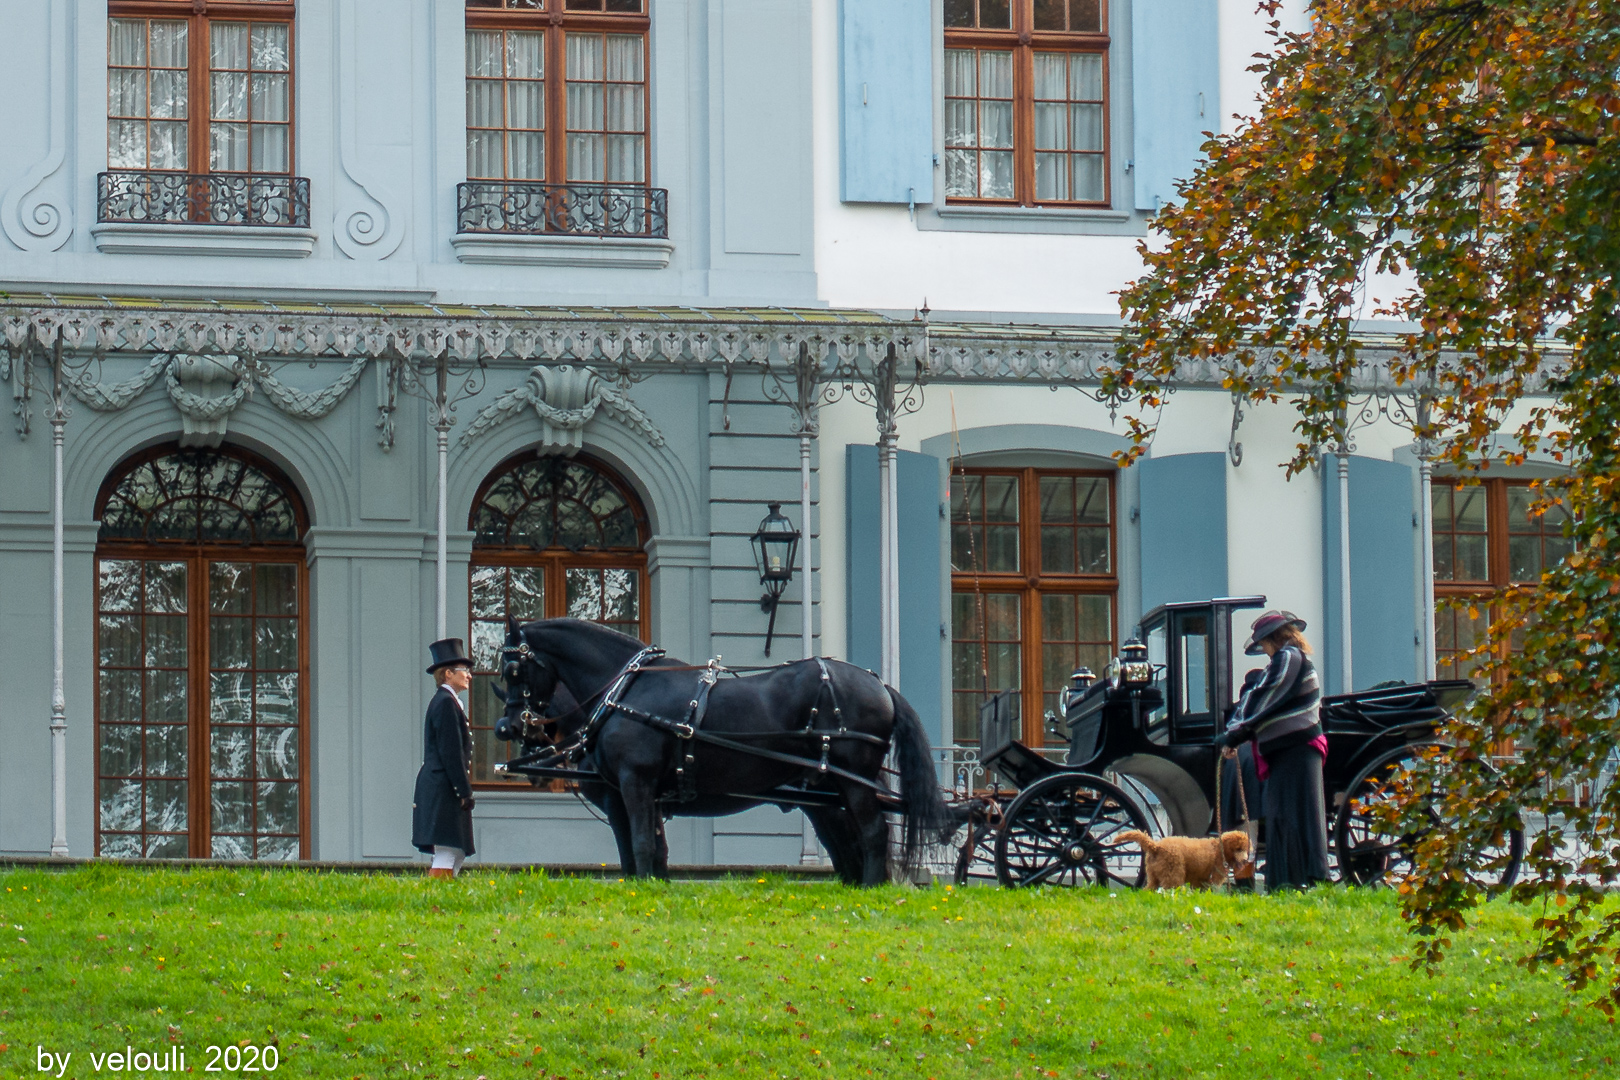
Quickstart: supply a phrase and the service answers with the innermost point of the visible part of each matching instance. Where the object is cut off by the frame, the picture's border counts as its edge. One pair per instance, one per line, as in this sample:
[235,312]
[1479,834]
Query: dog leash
[1244,872]
[1243,796]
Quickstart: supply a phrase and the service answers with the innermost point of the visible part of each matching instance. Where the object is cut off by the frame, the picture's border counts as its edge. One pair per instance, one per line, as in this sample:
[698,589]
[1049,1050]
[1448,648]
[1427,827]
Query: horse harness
[689,731]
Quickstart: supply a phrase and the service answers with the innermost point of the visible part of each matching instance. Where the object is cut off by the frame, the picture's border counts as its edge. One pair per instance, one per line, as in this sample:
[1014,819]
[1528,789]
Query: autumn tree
[1470,150]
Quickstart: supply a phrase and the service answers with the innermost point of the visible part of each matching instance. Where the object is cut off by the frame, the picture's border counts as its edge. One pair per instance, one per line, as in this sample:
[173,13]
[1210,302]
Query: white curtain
[607,108]
[146,93]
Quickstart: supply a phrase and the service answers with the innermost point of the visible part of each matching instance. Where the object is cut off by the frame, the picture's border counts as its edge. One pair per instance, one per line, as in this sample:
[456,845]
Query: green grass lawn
[510,975]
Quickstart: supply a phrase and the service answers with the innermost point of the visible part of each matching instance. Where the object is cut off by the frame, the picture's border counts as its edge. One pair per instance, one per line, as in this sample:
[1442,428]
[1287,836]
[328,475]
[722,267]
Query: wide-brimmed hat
[1268,624]
[450,651]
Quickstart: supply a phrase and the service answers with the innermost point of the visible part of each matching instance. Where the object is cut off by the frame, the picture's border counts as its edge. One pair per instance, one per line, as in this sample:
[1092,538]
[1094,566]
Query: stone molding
[36,211]
[242,241]
[347,542]
[78,538]
[683,551]
[625,253]
[1007,438]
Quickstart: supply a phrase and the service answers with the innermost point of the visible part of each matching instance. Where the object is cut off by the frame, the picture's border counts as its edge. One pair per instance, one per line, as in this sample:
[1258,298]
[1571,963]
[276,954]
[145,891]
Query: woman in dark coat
[441,819]
[1280,713]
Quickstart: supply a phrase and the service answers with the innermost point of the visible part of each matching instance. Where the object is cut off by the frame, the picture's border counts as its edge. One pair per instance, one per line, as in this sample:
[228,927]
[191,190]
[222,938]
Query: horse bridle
[512,658]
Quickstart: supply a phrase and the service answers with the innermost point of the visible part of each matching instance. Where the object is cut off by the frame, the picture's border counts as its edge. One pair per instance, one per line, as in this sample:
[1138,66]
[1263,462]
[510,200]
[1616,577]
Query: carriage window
[1033,587]
[1158,647]
[1193,665]
[1487,537]
[201,663]
[553,537]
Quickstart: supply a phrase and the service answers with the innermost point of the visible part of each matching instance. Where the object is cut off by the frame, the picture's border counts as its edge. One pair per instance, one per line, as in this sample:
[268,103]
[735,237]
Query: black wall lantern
[776,546]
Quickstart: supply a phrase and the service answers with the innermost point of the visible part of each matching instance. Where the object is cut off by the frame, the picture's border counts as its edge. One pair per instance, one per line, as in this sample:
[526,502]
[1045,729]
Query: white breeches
[448,858]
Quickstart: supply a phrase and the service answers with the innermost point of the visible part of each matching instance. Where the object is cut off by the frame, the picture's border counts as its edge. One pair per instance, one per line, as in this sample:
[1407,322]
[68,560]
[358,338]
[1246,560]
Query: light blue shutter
[1183,525]
[886,100]
[921,655]
[863,570]
[1175,77]
[1383,575]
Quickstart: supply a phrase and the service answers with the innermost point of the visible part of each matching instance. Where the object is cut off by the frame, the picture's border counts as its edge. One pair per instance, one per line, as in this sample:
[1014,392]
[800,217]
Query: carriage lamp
[1079,682]
[776,543]
[1134,668]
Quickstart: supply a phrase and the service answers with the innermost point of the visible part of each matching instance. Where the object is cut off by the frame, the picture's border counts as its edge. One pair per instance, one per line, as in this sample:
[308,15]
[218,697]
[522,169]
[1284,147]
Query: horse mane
[590,629]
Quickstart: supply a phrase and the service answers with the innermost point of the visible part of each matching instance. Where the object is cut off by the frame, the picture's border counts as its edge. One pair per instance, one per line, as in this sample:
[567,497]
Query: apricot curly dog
[1190,860]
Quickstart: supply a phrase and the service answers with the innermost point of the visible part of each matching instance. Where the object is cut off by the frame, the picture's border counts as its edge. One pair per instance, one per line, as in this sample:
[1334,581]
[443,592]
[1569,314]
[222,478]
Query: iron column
[1344,569]
[441,423]
[59,846]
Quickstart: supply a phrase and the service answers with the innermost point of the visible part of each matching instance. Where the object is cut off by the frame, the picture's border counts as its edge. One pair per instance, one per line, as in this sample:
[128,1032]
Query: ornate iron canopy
[839,347]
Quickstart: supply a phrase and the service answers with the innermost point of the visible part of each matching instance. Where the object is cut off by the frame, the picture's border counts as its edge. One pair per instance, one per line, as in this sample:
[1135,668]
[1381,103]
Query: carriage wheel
[1064,830]
[1368,854]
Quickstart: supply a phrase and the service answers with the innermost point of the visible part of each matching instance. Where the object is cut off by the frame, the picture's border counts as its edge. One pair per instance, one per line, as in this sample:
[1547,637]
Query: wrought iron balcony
[521,207]
[177,198]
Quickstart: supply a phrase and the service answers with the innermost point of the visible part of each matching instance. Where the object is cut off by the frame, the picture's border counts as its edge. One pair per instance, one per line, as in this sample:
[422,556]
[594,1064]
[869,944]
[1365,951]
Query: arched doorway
[201,659]
[552,537]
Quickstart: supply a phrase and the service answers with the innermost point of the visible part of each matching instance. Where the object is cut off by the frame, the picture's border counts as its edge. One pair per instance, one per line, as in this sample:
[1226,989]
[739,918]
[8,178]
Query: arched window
[1034,584]
[200,659]
[552,537]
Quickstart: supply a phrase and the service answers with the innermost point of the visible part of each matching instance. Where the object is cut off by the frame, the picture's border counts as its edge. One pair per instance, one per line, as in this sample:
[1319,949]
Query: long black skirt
[1296,819]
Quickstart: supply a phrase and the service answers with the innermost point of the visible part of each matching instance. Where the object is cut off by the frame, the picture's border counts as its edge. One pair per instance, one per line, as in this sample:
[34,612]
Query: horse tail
[928,819]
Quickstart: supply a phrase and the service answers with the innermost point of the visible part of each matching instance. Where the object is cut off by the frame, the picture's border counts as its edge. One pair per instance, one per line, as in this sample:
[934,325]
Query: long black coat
[437,817]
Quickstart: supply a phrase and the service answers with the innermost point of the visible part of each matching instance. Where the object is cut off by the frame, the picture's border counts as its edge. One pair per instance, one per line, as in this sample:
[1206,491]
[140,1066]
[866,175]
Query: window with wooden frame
[1026,102]
[557,90]
[552,537]
[1487,538]
[200,86]
[201,659]
[1033,587]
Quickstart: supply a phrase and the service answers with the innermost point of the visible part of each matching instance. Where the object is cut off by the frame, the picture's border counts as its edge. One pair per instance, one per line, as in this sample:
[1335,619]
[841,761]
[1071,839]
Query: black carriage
[1141,755]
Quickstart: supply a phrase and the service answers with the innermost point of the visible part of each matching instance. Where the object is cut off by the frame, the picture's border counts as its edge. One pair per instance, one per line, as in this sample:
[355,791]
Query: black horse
[761,735]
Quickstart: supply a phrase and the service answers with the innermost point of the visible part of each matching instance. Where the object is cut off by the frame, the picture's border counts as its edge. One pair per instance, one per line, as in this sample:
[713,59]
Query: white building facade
[333,327]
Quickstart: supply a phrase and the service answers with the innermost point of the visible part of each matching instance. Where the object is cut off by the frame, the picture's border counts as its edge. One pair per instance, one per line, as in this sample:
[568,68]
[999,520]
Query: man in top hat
[441,819]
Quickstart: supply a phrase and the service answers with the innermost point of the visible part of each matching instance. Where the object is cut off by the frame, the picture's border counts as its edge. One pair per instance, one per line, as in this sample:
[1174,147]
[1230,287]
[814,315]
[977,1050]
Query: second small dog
[1190,860]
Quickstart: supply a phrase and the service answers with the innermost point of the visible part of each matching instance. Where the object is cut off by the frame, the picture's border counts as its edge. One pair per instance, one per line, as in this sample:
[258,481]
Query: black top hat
[1268,624]
[452,650]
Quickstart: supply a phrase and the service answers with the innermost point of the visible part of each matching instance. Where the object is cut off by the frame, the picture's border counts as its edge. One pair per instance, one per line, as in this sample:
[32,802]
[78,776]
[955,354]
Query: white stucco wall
[877,256]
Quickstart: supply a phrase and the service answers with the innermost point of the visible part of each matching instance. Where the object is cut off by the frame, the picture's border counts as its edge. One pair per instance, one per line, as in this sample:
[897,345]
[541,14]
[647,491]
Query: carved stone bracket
[565,399]
[205,389]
